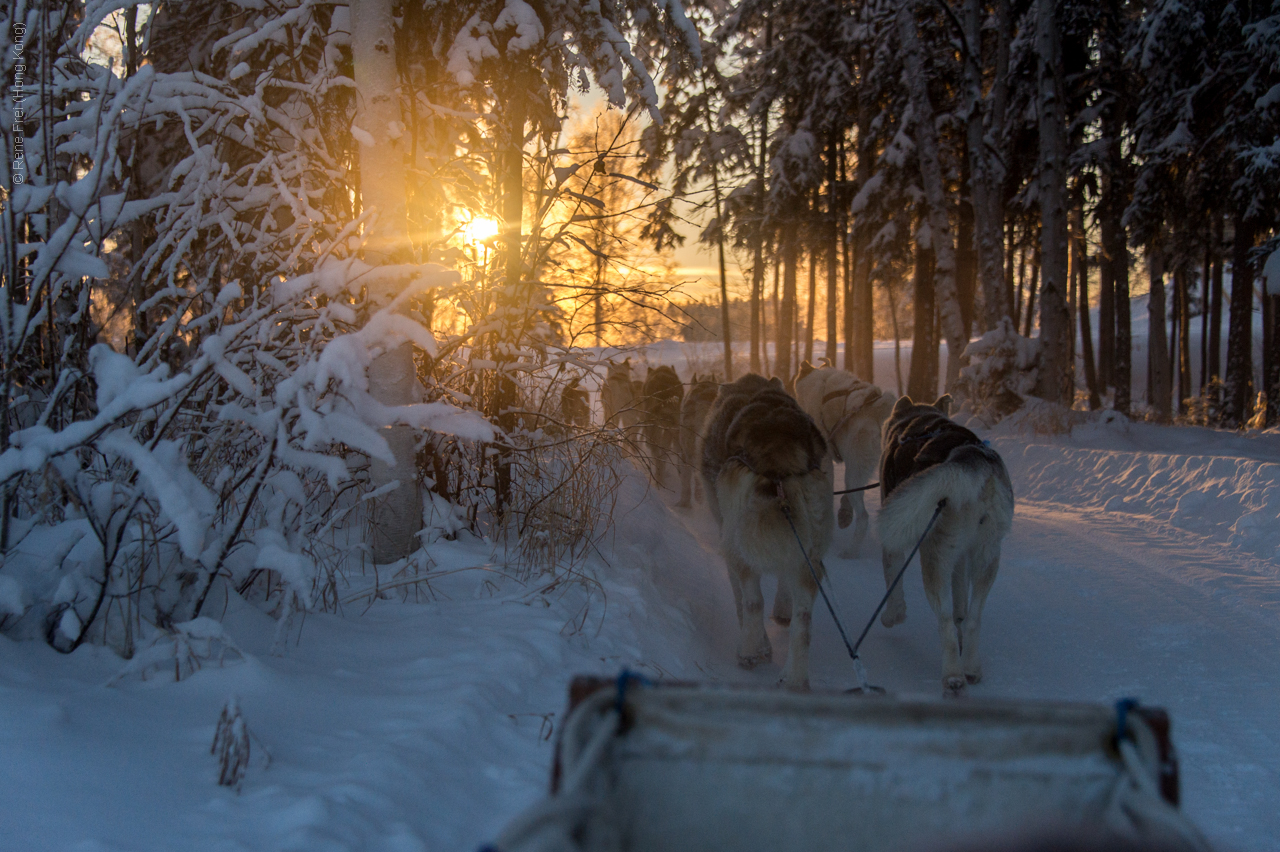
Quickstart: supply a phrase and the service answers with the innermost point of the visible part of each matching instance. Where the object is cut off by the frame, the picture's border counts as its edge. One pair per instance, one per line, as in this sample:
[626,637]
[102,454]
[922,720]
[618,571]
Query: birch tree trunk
[757,268]
[941,238]
[397,514]
[1055,383]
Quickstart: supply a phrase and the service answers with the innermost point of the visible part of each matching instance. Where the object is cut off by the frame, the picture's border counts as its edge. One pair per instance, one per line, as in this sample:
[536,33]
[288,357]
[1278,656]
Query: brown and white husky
[762,461]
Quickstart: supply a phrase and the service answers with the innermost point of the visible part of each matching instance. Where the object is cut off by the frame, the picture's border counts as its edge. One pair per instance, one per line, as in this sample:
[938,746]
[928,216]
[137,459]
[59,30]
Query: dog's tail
[971,473]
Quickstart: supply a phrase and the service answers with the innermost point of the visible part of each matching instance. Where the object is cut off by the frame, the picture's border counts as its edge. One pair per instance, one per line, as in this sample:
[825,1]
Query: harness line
[859,488]
[852,647]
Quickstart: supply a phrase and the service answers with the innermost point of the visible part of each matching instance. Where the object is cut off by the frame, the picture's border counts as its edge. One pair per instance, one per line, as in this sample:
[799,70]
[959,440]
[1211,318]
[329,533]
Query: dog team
[765,456]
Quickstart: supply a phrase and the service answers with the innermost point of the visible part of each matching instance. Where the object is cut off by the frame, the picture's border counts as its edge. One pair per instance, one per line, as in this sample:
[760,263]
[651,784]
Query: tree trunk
[1240,334]
[1205,276]
[778,251]
[787,312]
[1055,381]
[1271,354]
[1106,323]
[397,515]
[1123,367]
[833,248]
[862,363]
[726,331]
[1031,292]
[1086,327]
[1180,276]
[811,308]
[1020,300]
[922,380]
[1158,366]
[941,240]
[897,339]
[984,174]
[757,269]
[1215,309]
[966,268]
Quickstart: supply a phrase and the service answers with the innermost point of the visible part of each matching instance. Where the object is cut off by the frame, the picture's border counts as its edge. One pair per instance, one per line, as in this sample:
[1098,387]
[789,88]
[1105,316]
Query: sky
[695,262]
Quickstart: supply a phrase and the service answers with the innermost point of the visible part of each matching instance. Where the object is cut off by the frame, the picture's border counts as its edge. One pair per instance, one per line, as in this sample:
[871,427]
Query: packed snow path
[423,725]
[1090,606]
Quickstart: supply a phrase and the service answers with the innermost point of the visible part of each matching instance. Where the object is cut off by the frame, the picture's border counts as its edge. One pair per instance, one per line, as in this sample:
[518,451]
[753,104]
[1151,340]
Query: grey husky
[618,397]
[663,394]
[927,459]
[767,485]
[694,412]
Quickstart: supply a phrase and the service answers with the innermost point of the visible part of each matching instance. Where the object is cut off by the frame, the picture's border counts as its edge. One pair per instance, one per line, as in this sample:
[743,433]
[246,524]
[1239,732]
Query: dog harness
[872,392]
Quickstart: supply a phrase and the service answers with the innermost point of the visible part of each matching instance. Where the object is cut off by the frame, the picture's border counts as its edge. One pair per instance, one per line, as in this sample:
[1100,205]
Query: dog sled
[643,768]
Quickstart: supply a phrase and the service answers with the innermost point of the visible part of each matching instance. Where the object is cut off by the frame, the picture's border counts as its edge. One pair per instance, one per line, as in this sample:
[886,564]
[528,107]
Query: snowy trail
[1093,607]
[424,725]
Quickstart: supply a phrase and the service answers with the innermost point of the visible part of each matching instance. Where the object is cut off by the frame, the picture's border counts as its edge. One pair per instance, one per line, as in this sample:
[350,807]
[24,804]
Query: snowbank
[396,726]
[1223,497]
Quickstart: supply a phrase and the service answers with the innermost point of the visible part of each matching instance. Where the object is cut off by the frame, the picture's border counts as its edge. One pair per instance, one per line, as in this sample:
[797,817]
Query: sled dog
[617,397]
[928,458]
[762,454]
[575,410]
[663,394]
[694,412]
[850,413]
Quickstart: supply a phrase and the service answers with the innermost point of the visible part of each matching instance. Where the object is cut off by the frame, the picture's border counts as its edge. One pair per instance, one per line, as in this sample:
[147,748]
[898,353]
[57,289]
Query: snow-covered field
[1143,562]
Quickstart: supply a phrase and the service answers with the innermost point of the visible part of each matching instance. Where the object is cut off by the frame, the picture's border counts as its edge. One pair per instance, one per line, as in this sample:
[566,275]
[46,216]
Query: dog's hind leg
[938,567]
[795,674]
[782,604]
[858,472]
[753,642]
[960,595]
[982,579]
[895,609]
[735,583]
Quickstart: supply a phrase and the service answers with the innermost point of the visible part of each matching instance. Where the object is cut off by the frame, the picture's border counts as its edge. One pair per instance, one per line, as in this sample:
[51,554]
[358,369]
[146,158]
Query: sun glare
[479,230]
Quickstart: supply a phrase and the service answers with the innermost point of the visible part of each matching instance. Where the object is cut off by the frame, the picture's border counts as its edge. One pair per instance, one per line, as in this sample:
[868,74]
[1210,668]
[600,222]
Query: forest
[351,352]
[293,289]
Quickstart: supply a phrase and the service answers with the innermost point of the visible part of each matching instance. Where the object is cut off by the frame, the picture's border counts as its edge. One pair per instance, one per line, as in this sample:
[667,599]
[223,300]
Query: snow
[528,28]
[182,497]
[1271,271]
[1142,562]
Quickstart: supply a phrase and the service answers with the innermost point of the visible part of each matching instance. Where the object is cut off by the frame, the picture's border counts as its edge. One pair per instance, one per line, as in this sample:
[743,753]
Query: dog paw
[893,616]
[796,686]
[974,676]
[846,513]
[953,686]
[782,620]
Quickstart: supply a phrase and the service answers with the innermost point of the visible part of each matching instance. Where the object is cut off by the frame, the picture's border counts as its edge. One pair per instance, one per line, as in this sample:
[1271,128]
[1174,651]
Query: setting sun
[479,230]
